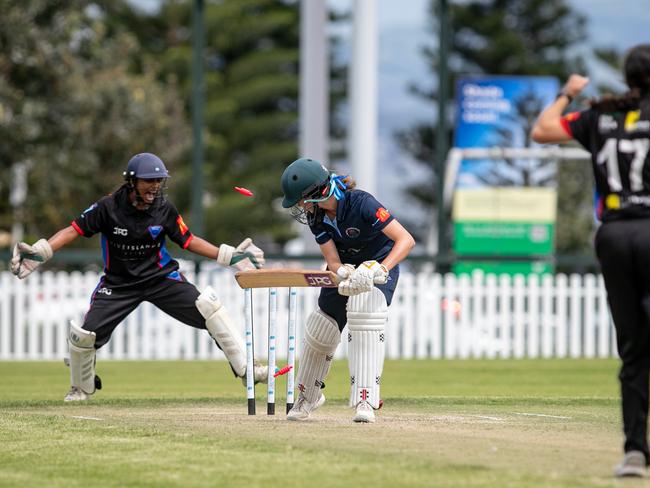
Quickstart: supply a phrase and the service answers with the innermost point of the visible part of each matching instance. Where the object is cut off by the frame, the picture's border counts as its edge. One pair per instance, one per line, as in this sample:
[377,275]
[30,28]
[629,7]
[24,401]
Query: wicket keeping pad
[289,278]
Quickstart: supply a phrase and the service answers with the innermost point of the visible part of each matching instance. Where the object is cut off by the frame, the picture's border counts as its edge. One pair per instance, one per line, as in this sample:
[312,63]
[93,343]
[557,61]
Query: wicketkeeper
[363,243]
[134,223]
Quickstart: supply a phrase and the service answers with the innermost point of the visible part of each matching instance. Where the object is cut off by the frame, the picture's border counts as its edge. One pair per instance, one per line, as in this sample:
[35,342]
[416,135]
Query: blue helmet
[145,166]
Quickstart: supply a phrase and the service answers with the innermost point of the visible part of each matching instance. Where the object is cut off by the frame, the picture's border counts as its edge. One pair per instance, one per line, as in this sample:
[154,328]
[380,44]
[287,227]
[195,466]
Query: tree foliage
[251,105]
[73,111]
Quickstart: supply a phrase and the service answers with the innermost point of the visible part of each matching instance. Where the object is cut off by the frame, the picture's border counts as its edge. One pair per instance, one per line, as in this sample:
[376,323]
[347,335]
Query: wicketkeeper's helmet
[302,178]
[145,166]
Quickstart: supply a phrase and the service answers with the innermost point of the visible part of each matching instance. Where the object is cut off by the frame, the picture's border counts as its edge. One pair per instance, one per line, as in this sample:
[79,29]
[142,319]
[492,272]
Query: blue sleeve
[320,233]
[375,213]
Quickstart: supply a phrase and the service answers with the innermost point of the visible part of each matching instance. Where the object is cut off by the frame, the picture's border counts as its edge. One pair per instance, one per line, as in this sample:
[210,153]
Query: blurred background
[228,92]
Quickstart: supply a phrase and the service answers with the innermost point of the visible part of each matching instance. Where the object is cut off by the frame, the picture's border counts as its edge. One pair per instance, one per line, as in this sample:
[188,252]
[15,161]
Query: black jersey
[619,144]
[357,228]
[133,241]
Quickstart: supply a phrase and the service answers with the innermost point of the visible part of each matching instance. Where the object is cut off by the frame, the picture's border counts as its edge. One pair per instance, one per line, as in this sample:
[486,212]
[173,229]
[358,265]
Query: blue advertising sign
[500,111]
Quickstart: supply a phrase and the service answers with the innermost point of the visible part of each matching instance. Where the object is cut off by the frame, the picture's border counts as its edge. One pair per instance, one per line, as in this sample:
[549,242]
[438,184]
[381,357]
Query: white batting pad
[322,336]
[82,358]
[367,314]
[222,329]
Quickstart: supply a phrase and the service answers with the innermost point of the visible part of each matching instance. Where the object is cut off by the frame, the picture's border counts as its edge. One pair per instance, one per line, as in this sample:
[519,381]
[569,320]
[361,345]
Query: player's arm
[203,248]
[404,242]
[62,238]
[331,255]
[548,127]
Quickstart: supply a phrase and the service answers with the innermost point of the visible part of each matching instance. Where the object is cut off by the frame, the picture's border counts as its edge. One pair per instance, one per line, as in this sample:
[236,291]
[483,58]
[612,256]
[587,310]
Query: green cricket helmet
[302,178]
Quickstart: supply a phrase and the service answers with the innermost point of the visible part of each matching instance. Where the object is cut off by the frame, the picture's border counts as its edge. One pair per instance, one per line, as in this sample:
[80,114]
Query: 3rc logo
[119,232]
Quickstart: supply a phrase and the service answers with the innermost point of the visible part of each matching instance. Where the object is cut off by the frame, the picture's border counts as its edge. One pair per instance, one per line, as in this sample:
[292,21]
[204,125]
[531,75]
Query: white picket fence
[432,316]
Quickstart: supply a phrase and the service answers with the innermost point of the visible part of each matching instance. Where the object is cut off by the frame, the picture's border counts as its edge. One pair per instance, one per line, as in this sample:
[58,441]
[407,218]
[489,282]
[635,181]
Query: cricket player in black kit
[616,131]
[134,223]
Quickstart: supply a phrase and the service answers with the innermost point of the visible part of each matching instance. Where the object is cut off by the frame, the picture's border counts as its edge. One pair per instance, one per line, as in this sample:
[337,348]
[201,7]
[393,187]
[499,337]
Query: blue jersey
[357,228]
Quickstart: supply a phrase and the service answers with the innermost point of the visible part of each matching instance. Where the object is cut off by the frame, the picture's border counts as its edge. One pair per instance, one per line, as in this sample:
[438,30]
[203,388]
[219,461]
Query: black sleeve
[93,219]
[582,126]
[176,228]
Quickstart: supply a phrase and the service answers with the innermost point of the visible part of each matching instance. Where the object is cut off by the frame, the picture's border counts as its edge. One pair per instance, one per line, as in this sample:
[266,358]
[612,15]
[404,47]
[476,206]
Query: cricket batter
[363,243]
[134,223]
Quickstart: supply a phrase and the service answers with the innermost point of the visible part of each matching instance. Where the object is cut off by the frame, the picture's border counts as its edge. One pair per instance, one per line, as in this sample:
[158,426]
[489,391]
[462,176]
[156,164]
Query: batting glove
[27,258]
[369,273]
[345,271]
[244,257]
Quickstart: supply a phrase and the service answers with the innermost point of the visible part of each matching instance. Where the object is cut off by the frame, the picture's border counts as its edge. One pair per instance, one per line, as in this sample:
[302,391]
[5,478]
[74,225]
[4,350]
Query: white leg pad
[367,314]
[322,336]
[82,358]
[223,330]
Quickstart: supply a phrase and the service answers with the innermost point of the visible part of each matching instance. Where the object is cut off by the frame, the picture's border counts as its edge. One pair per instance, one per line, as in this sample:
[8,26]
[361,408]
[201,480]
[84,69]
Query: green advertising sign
[503,238]
[509,267]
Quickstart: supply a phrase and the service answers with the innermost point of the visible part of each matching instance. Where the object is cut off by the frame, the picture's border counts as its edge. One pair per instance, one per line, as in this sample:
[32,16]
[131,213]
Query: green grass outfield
[474,423]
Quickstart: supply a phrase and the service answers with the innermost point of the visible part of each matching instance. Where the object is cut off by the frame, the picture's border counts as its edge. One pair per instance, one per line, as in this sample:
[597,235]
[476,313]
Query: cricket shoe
[260,374]
[633,465]
[303,409]
[364,413]
[77,395]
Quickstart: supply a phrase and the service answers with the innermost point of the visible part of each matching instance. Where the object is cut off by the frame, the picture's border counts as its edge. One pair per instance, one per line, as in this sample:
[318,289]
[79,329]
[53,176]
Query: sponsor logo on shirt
[607,123]
[119,232]
[382,214]
[89,209]
[181,225]
[352,232]
[154,230]
[105,291]
[633,124]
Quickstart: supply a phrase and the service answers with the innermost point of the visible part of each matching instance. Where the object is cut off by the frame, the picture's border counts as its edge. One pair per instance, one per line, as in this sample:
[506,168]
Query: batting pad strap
[223,330]
[322,336]
[82,358]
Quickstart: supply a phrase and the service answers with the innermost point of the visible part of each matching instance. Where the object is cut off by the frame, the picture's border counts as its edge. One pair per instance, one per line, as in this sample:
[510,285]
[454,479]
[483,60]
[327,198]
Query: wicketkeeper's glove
[244,257]
[27,258]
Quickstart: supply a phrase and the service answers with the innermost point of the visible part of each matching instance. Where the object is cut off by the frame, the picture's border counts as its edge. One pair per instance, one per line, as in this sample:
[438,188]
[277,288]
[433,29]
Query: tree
[72,111]
[251,110]
[505,37]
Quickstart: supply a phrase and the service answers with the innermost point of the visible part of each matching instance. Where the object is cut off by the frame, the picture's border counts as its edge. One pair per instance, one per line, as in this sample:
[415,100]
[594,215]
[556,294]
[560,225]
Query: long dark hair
[637,76]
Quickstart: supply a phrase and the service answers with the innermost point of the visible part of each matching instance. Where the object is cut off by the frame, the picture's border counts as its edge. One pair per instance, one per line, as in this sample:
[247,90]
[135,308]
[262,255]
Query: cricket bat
[287,277]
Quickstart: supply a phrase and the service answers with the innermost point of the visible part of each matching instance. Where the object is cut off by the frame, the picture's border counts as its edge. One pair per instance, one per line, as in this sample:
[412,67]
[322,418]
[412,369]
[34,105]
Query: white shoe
[260,374]
[302,408]
[364,413]
[77,395]
[632,465]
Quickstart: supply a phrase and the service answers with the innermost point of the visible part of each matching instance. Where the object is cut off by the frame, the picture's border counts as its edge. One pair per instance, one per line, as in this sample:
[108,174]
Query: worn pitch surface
[445,423]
